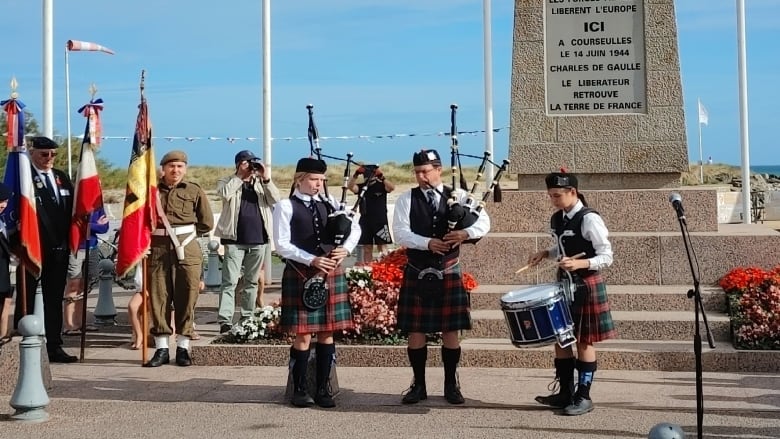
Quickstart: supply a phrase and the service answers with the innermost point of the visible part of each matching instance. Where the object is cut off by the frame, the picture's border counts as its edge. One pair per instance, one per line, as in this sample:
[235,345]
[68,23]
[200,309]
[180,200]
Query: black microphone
[676,201]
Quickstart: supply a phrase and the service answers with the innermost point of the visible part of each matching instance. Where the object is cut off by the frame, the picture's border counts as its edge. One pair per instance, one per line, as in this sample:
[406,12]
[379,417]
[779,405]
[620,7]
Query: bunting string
[368,138]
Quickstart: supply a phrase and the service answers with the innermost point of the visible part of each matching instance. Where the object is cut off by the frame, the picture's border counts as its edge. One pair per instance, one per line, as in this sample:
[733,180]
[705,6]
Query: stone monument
[596,89]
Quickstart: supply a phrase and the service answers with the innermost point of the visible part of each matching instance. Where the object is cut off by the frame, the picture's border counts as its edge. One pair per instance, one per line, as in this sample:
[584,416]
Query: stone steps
[621,297]
[668,355]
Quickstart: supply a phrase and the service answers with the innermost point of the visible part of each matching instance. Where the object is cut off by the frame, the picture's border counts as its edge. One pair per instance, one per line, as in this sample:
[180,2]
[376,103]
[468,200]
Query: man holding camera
[244,231]
[373,210]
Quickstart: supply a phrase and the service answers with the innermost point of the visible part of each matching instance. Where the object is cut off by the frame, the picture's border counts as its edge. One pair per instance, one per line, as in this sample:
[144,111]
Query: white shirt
[282,216]
[595,231]
[402,230]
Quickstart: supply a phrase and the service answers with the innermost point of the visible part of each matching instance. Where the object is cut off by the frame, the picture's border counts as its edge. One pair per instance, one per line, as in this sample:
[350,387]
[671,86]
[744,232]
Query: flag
[83,46]
[704,117]
[88,195]
[20,217]
[139,217]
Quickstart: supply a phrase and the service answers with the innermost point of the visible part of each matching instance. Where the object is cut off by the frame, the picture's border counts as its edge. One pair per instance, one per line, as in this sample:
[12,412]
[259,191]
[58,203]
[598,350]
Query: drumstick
[527,266]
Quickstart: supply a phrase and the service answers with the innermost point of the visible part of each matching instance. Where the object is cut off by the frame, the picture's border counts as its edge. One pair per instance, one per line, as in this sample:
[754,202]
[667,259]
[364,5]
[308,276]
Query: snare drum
[538,315]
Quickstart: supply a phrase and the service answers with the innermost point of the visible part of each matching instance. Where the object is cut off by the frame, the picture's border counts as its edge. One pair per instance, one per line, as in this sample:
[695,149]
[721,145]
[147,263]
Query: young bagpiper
[314,289]
[432,297]
[578,229]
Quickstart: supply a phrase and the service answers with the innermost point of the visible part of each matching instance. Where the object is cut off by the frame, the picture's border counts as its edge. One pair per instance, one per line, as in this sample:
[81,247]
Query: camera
[256,164]
[369,170]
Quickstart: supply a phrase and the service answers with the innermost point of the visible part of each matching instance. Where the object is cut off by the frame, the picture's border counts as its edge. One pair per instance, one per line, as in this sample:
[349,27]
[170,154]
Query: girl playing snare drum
[578,229]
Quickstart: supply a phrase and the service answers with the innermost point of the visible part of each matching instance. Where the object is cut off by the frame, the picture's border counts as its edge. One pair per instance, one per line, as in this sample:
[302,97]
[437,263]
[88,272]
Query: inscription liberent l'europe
[595,62]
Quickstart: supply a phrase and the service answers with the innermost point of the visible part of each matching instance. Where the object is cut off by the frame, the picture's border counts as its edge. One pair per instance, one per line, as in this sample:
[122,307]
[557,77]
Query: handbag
[315,292]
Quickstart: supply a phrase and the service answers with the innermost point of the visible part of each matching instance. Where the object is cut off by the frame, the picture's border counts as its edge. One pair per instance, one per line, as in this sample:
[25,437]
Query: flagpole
[85,287]
[267,149]
[743,112]
[488,67]
[48,68]
[701,156]
[67,108]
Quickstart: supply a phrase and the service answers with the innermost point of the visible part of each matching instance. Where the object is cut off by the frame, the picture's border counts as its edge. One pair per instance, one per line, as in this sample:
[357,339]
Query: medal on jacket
[38,182]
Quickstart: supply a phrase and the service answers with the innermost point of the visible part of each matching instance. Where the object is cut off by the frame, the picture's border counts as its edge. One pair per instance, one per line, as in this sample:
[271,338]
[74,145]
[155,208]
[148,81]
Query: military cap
[561,180]
[426,156]
[311,165]
[42,142]
[5,192]
[174,156]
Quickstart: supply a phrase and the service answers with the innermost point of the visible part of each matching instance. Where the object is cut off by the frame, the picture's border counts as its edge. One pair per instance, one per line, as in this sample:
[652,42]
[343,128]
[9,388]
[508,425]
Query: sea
[770,169]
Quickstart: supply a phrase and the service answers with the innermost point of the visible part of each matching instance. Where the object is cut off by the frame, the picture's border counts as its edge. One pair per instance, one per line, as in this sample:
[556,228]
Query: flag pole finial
[92,91]
[14,85]
[143,79]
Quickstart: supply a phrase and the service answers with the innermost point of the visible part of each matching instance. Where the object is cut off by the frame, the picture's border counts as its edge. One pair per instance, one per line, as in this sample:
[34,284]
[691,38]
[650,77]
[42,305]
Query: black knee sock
[417,358]
[299,363]
[450,358]
[586,372]
[326,357]
[564,371]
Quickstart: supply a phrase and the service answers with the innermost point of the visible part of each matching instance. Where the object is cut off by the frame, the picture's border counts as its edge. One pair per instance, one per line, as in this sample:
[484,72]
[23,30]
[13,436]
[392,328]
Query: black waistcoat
[575,243]
[303,233]
[423,222]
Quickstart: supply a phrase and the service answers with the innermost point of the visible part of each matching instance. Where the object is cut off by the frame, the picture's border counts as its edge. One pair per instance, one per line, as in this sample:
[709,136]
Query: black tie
[315,214]
[47,183]
[432,200]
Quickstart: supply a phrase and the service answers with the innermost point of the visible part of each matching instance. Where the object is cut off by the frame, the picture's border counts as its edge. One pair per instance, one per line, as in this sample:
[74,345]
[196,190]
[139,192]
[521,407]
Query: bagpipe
[339,224]
[463,215]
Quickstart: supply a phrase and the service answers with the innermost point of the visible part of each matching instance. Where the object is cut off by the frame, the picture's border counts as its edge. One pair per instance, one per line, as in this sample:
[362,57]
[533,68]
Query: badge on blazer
[38,182]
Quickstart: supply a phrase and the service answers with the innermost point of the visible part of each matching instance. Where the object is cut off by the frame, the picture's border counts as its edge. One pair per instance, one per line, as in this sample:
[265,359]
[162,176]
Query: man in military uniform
[432,297]
[176,259]
[54,204]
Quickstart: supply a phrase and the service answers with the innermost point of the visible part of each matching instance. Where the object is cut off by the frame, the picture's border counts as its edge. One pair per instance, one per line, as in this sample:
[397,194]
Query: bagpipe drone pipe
[339,224]
[463,215]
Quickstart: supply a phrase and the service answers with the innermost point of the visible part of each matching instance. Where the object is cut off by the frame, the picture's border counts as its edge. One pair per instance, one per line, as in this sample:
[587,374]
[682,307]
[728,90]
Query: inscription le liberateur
[595,57]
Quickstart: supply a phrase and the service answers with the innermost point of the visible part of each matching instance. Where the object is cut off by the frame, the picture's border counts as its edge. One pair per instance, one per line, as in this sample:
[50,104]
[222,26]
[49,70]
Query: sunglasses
[47,153]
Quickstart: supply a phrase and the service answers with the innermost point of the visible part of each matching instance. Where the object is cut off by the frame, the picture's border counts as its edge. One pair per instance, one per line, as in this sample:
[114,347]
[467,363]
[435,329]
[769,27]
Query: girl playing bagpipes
[314,289]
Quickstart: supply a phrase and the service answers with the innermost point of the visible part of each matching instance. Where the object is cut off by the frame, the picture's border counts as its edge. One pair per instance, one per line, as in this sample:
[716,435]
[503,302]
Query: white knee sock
[182,341]
[161,341]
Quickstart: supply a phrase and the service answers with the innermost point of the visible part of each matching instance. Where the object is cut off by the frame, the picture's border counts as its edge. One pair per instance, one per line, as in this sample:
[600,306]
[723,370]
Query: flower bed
[753,296]
[373,294]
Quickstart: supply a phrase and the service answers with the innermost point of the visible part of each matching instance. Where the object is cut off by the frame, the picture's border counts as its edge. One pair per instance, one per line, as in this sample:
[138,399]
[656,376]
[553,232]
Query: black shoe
[558,400]
[58,355]
[579,406]
[159,358]
[302,399]
[183,357]
[415,394]
[323,398]
[225,327]
[452,394]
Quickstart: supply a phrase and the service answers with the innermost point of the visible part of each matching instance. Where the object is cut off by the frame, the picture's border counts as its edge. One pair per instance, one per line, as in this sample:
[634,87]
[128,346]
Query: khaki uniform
[174,283]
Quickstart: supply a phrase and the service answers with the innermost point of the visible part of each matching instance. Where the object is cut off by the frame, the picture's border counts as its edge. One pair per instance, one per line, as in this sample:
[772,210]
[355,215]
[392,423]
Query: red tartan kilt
[449,312]
[334,316]
[590,311]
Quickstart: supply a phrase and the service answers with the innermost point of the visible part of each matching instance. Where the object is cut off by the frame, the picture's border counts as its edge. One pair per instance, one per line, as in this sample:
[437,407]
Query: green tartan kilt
[450,311]
[296,319]
[590,311]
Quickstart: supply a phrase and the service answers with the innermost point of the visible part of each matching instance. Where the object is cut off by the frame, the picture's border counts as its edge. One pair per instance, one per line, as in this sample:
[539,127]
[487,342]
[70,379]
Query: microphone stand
[695,294]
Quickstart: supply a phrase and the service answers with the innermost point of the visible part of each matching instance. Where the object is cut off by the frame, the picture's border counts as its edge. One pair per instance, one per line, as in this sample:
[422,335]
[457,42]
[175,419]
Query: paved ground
[111,395]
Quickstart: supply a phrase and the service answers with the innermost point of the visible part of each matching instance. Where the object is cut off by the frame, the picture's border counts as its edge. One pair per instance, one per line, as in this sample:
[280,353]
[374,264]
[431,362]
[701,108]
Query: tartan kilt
[296,319]
[590,311]
[449,312]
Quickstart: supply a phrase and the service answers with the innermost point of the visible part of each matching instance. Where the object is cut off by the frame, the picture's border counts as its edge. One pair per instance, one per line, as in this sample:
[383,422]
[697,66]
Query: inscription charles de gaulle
[595,57]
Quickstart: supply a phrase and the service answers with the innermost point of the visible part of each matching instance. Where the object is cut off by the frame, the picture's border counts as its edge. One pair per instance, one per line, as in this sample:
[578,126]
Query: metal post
[488,61]
[267,150]
[743,112]
[105,309]
[30,398]
[48,68]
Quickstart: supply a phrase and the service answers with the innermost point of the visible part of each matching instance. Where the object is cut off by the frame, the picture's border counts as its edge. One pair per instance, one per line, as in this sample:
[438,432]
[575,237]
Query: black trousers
[53,279]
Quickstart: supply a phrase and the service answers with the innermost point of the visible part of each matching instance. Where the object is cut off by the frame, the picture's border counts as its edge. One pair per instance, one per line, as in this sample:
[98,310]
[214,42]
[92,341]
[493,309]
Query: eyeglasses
[47,153]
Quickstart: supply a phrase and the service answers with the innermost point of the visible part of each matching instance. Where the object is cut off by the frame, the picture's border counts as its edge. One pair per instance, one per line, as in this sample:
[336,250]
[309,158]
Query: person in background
[373,210]
[578,229]
[74,289]
[244,230]
[6,289]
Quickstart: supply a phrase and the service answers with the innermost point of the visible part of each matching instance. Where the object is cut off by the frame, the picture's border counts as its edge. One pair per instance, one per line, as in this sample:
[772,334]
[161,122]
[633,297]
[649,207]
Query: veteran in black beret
[314,289]
[54,203]
[432,297]
[176,259]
